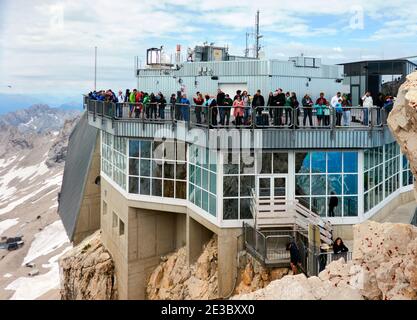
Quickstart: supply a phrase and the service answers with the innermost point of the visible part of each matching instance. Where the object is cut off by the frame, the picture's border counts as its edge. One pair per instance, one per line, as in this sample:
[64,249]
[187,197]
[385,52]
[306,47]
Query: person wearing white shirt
[368,103]
[119,106]
[335,100]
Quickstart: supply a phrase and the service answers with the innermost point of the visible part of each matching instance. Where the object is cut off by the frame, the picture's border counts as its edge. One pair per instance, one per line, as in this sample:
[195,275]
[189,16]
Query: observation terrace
[266,127]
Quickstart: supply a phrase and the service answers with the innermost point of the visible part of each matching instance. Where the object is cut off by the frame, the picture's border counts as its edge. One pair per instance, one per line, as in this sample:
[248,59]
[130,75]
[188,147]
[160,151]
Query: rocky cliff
[384,266]
[87,272]
[403,120]
[253,276]
[173,279]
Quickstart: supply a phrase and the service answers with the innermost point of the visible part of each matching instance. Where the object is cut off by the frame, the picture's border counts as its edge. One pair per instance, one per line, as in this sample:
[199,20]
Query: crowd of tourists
[280,109]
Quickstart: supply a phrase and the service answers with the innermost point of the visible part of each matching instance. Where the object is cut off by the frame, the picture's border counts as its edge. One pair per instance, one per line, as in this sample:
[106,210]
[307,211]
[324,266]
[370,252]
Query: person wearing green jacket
[132,100]
[319,113]
[146,104]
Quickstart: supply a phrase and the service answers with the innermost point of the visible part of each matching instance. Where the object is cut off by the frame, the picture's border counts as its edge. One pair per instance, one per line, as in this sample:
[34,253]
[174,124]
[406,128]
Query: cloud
[51,43]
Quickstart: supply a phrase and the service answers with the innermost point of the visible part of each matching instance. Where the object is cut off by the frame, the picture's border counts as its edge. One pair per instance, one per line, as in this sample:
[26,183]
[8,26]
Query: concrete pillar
[228,248]
[197,237]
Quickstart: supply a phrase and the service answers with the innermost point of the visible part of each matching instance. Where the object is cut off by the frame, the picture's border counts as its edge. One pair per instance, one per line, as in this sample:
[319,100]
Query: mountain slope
[31,169]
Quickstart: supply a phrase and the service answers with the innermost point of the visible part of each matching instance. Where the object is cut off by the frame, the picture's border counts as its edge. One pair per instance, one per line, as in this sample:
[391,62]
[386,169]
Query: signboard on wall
[218,54]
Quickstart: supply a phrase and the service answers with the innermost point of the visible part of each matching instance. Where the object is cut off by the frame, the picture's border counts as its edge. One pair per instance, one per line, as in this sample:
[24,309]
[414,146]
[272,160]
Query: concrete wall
[148,235]
[89,217]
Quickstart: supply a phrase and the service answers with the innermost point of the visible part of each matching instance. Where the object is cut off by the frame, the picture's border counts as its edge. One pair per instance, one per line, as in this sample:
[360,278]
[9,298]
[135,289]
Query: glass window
[145,186]
[134,148]
[350,184]
[198,176]
[213,183]
[230,209]
[245,212]
[134,167]
[181,171]
[350,206]
[302,163]
[169,170]
[133,185]
[334,162]
[318,162]
[205,179]
[169,188]
[181,190]
[212,205]
[145,149]
[334,184]
[266,163]
[318,185]
[302,185]
[145,168]
[157,187]
[334,206]
[280,163]
[157,168]
[350,162]
[230,186]
[318,205]
[205,200]
[247,183]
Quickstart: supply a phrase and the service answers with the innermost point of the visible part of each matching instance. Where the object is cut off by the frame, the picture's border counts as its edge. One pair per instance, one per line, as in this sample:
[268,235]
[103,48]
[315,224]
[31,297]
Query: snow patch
[7,224]
[47,241]
[30,288]
[54,181]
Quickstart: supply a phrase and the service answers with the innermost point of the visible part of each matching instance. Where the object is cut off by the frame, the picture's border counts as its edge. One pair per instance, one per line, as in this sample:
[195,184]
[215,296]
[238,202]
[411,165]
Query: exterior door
[273,186]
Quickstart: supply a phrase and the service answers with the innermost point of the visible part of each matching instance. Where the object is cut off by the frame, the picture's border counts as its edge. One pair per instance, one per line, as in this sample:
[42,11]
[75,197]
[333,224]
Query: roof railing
[228,117]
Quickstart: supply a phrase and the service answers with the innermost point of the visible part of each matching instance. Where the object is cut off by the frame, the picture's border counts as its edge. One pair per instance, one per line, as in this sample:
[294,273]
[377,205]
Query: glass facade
[203,179]
[240,170]
[158,168]
[114,158]
[327,182]
[383,168]
[408,177]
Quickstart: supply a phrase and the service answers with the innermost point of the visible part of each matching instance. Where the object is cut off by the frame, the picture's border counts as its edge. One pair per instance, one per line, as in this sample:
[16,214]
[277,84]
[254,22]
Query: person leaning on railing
[346,104]
[198,101]
[368,103]
[307,110]
[239,110]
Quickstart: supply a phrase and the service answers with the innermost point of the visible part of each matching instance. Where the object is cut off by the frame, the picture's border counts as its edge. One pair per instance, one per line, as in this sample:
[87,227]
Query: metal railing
[265,117]
[322,260]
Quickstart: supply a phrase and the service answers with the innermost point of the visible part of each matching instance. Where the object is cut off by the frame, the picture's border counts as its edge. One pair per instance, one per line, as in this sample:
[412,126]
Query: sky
[48,46]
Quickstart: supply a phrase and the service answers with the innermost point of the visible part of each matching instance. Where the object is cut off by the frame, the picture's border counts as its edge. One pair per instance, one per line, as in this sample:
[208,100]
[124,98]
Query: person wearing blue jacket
[185,107]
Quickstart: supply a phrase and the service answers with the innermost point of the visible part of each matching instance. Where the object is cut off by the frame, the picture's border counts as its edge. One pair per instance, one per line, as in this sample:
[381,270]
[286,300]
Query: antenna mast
[257,36]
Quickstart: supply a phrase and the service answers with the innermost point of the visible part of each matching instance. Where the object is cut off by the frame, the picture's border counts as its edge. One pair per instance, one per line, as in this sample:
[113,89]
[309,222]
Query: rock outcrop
[384,266]
[253,276]
[403,120]
[174,280]
[87,272]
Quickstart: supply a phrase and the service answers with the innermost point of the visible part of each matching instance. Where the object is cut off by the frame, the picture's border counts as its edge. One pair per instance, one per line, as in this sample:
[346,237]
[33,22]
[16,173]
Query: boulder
[87,272]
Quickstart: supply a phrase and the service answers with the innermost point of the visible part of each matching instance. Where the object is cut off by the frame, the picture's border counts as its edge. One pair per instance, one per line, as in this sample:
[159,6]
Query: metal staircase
[278,212]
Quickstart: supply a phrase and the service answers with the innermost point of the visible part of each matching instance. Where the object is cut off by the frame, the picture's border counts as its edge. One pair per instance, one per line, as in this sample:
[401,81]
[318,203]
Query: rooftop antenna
[247,45]
[257,36]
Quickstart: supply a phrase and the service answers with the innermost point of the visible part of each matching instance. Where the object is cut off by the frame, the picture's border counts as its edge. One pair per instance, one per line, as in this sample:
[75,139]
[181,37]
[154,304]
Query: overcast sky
[48,46]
